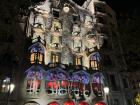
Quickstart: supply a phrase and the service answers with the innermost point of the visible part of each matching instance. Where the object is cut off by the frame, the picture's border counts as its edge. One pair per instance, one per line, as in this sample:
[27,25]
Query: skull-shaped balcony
[56,28]
[57,47]
[38,28]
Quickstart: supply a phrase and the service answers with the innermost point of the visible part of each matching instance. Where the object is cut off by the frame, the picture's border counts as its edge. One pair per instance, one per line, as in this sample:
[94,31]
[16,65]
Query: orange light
[83,103]
[69,102]
[100,103]
[53,103]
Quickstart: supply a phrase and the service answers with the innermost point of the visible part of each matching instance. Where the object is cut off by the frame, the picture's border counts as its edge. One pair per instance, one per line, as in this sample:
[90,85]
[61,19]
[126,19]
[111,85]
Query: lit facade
[72,57]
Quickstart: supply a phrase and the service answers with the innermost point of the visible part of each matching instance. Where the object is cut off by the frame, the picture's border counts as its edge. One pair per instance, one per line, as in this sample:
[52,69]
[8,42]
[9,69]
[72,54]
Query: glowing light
[100,103]
[53,103]
[70,102]
[83,103]
[12,86]
[66,9]
[106,90]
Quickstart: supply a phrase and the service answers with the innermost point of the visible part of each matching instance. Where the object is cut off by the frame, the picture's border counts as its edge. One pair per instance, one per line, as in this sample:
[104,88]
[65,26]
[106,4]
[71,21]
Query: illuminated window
[56,82]
[36,57]
[78,60]
[34,77]
[5,85]
[97,83]
[37,52]
[55,58]
[95,61]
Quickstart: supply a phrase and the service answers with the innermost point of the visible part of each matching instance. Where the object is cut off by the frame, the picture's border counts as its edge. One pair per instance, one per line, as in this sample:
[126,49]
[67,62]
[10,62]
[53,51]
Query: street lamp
[106,91]
[11,87]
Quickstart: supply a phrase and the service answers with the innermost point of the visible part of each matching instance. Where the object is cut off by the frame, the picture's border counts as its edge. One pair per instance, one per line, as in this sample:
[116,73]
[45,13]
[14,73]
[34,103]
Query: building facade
[73,54]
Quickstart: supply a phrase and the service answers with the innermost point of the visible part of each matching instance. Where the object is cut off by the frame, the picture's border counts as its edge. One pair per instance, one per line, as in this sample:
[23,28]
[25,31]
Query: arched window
[57,82]
[95,61]
[37,52]
[97,83]
[79,82]
[34,76]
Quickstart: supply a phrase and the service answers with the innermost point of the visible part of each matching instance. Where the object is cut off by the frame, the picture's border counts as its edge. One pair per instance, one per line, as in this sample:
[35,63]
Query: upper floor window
[55,13]
[78,60]
[55,58]
[95,60]
[75,18]
[37,51]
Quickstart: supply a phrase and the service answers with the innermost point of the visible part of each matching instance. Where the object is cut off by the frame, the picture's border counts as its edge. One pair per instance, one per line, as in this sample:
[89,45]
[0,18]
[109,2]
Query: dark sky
[119,5]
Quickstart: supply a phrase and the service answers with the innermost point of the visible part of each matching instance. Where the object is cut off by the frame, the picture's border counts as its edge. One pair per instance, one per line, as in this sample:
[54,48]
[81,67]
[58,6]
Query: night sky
[118,5]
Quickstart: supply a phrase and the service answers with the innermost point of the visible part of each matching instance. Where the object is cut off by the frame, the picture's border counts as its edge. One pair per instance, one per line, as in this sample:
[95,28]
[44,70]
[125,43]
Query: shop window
[95,61]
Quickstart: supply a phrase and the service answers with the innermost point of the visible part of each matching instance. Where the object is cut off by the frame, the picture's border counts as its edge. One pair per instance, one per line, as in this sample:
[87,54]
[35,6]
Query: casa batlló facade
[66,56]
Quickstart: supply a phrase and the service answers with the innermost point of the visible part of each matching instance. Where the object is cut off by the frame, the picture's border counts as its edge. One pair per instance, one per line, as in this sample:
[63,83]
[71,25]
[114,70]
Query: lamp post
[106,91]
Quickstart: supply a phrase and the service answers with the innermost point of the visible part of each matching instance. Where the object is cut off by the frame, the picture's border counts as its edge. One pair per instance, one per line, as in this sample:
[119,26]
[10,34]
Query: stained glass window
[95,60]
[37,51]
[34,76]
[79,81]
[57,81]
[97,83]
